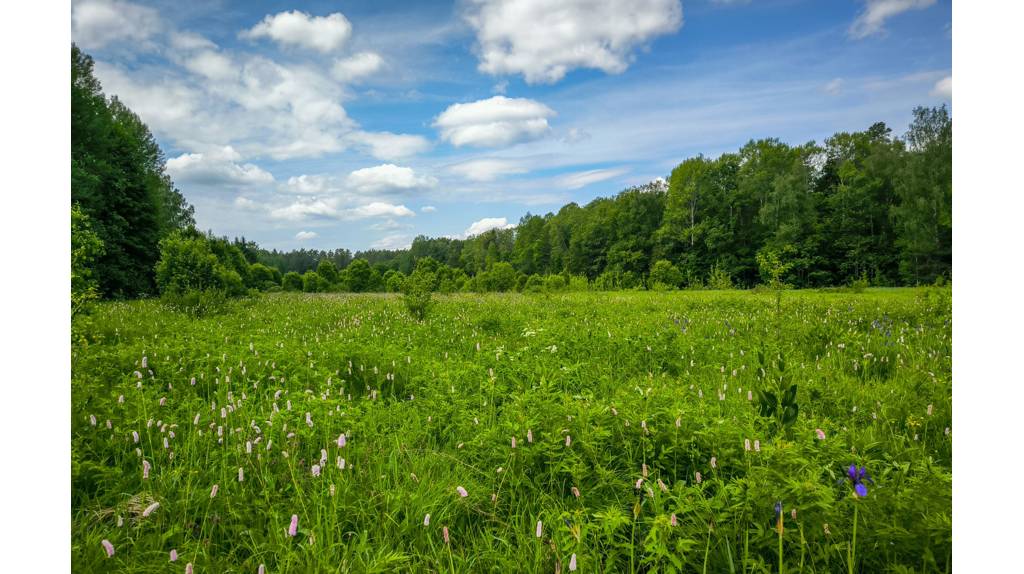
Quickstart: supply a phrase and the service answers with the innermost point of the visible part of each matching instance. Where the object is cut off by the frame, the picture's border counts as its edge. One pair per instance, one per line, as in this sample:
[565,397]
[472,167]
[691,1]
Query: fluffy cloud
[487,169]
[309,185]
[487,224]
[96,23]
[332,208]
[393,242]
[496,121]
[944,88]
[388,178]
[428,209]
[357,66]
[872,19]
[304,235]
[584,178]
[216,169]
[544,40]
[321,33]
[389,146]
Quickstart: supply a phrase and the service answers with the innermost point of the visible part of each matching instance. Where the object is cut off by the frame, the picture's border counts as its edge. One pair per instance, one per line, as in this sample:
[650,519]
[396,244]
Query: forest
[869,207]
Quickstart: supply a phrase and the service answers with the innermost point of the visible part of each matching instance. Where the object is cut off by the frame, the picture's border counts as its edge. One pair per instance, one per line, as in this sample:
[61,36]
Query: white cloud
[390,225]
[487,224]
[496,121]
[393,242]
[428,209]
[331,208]
[309,185]
[357,66]
[544,40]
[320,33]
[872,19]
[944,88]
[584,178]
[834,87]
[212,65]
[304,235]
[388,178]
[96,23]
[487,169]
[389,146]
[246,204]
[216,169]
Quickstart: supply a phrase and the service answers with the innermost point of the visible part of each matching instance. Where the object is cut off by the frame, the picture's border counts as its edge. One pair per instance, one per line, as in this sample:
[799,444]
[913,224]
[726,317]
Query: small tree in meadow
[416,293]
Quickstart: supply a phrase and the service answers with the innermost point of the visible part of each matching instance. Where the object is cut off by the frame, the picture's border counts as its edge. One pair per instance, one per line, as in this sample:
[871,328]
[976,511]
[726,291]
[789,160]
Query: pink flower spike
[673,521]
[568,440]
[572,563]
[426,520]
[820,433]
[213,491]
[293,528]
[262,569]
[462,491]
[188,568]
[108,547]
[174,555]
[145,469]
[341,440]
[529,436]
[513,442]
[540,529]
[444,531]
[149,509]
[576,492]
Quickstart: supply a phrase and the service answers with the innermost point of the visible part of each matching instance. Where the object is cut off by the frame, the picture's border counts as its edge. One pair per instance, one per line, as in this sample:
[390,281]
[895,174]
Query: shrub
[554,283]
[328,271]
[393,281]
[291,281]
[312,282]
[417,294]
[719,279]
[665,273]
[187,264]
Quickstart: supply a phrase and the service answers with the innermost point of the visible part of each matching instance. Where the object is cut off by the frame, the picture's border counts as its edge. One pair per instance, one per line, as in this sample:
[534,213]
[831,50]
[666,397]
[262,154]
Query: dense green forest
[867,206]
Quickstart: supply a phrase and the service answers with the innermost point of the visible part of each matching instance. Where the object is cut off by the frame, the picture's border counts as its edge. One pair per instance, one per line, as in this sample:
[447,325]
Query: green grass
[634,378]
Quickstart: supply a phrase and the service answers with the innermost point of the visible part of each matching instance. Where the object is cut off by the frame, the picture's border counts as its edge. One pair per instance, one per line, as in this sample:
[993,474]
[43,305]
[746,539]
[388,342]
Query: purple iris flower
[857,477]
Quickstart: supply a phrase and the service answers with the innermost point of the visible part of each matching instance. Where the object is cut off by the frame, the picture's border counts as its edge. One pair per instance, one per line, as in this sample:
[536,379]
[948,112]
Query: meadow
[590,432]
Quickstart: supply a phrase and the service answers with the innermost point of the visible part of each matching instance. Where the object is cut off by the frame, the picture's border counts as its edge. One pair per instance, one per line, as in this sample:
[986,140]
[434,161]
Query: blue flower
[857,477]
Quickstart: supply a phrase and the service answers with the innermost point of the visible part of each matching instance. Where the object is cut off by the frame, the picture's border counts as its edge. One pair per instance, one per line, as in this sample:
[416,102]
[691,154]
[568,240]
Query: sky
[363,124]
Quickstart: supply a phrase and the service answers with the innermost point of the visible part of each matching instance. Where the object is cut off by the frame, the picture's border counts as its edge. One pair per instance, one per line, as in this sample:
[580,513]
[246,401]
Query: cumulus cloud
[393,242]
[428,209]
[331,208]
[216,169]
[320,33]
[357,66]
[487,224]
[389,146]
[388,178]
[872,19]
[309,185]
[487,169]
[304,235]
[544,40]
[584,178]
[944,88]
[96,23]
[496,121]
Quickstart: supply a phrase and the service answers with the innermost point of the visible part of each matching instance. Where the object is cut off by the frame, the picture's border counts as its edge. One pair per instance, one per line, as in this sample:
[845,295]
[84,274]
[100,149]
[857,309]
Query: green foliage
[719,279]
[86,247]
[328,271]
[312,282]
[643,383]
[416,293]
[291,281]
[665,273]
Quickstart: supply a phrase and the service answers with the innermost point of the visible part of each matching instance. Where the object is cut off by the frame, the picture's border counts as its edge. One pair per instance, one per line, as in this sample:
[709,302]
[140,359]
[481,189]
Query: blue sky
[364,124]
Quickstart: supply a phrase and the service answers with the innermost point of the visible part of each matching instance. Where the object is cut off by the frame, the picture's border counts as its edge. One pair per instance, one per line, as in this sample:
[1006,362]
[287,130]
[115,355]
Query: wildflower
[262,569]
[679,422]
[331,490]
[513,442]
[494,497]
[644,469]
[341,440]
[120,521]
[827,531]
[462,491]
[315,470]
[857,477]
[750,395]
[163,401]
[746,444]
[697,477]
[444,531]
[120,399]
[188,568]
[540,529]
[575,492]
[639,482]
[568,440]
[92,420]
[248,447]
[714,462]
[213,491]
[149,509]
[174,555]
[145,469]
[572,563]
[792,513]
[293,528]
[529,436]
[757,445]
[929,410]
[778,516]
[662,486]
[820,433]
[241,474]
[135,436]
[426,520]
[108,547]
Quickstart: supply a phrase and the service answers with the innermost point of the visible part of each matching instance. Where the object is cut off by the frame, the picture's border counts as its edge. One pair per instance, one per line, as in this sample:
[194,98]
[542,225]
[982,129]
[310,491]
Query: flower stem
[853,545]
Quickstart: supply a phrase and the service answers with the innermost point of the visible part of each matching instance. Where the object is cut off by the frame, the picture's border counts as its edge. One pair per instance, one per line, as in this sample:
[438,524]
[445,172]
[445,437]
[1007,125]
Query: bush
[187,264]
[198,302]
[260,276]
[393,281]
[719,279]
[312,282]
[417,294]
[665,273]
[291,281]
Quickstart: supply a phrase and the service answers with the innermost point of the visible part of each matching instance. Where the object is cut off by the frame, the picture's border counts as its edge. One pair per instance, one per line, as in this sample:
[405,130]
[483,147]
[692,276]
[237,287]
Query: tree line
[868,207]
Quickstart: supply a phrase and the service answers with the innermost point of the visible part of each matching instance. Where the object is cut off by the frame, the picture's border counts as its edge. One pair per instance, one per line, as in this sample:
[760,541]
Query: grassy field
[596,432]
